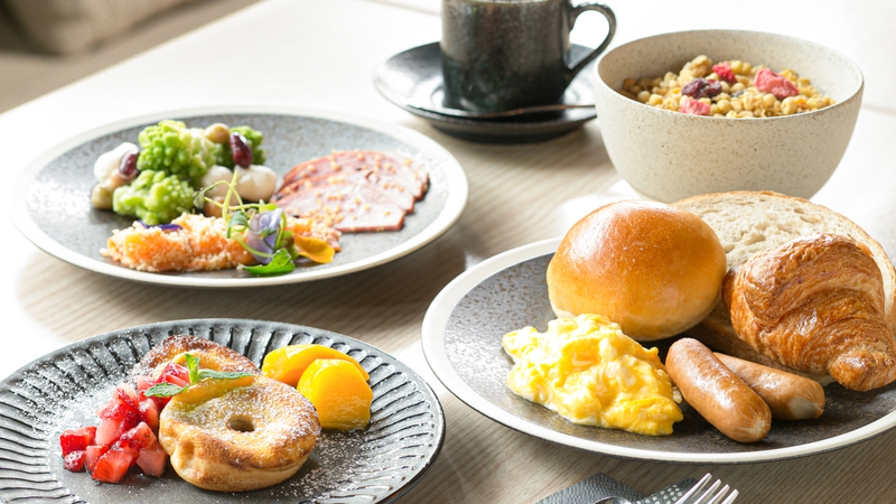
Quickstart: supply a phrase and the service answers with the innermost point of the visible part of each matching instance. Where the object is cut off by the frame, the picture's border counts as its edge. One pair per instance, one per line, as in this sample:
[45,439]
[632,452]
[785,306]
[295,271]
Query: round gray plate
[462,334]
[62,390]
[415,76]
[55,213]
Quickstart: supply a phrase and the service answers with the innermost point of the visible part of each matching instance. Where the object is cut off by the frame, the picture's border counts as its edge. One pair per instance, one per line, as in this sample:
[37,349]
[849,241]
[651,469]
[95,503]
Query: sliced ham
[348,207]
[386,169]
[403,198]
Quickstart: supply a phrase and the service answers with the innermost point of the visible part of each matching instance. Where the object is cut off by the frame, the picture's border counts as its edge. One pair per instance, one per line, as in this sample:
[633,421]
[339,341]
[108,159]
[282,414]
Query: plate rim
[433,341]
[456,181]
[435,404]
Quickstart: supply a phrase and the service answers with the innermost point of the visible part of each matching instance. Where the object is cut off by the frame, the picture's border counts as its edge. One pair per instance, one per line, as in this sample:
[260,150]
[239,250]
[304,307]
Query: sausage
[712,389]
[789,396]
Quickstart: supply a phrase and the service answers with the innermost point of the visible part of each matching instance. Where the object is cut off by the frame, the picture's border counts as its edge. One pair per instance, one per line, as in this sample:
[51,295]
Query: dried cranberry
[701,88]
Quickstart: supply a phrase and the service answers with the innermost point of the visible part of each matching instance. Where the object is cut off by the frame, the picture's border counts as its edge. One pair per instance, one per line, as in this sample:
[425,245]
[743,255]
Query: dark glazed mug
[506,54]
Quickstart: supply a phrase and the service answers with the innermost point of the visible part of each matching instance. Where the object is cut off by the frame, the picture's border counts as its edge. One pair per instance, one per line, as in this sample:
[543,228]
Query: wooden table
[322,54]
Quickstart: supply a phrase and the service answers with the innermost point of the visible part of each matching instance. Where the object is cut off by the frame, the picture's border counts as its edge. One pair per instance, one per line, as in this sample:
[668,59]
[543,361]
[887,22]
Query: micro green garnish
[260,228]
[166,389]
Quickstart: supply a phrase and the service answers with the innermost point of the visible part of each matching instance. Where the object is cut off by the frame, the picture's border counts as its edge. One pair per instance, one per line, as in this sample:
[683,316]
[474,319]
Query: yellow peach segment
[206,390]
[288,363]
[339,393]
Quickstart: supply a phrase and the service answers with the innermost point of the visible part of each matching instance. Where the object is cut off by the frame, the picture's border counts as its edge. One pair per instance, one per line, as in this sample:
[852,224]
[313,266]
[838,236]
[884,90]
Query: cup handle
[611,22]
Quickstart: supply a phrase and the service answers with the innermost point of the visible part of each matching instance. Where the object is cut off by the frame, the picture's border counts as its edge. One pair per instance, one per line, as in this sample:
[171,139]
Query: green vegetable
[154,197]
[254,137]
[174,149]
[166,389]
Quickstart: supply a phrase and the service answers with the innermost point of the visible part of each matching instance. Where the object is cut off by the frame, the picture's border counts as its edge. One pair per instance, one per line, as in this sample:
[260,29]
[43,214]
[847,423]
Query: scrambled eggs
[589,372]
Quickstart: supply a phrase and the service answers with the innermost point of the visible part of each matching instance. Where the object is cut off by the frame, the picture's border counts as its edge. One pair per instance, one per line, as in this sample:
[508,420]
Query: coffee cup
[505,54]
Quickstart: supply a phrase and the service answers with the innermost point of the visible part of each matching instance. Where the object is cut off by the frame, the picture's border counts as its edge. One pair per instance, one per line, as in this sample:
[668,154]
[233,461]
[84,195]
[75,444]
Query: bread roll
[653,269]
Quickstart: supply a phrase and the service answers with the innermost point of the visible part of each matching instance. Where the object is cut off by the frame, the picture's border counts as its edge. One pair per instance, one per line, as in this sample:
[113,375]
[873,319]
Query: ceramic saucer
[415,76]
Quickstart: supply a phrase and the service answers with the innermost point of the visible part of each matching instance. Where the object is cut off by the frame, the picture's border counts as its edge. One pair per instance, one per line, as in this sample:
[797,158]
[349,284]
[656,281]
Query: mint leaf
[164,389]
[193,368]
[221,375]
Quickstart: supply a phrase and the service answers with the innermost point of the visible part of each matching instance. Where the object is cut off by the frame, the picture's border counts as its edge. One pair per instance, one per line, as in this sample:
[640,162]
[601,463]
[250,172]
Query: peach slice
[288,363]
[339,393]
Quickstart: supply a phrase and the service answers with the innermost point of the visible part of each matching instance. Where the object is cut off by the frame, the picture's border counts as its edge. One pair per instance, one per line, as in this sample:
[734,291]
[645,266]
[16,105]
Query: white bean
[256,183]
[108,162]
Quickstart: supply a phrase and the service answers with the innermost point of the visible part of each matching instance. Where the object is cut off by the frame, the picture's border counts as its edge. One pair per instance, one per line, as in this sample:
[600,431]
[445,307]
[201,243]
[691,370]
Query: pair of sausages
[739,397]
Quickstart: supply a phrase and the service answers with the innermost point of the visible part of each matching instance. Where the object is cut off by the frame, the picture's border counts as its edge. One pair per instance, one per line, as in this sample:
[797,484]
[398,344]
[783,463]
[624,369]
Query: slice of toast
[747,222]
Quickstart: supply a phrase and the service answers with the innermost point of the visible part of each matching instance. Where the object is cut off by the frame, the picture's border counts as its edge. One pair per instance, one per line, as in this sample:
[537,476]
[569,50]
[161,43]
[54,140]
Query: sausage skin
[712,389]
[789,396]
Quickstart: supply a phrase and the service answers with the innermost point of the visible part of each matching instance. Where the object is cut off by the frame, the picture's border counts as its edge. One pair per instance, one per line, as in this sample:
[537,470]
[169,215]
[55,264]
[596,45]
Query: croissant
[815,304]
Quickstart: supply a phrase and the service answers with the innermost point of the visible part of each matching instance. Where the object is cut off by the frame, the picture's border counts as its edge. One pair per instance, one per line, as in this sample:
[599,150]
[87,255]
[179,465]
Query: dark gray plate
[63,389]
[55,213]
[462,334]
[415,76]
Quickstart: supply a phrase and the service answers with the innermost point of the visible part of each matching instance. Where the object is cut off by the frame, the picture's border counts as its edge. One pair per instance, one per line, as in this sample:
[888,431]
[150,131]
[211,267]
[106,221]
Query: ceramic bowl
[668,156]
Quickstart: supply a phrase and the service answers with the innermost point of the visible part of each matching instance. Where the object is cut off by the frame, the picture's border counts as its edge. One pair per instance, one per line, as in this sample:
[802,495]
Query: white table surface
[321,54]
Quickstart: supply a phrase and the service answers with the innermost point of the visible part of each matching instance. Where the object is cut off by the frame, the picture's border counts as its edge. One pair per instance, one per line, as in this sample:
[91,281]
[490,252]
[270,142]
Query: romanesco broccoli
[254,137]
[173,148]
[154,197]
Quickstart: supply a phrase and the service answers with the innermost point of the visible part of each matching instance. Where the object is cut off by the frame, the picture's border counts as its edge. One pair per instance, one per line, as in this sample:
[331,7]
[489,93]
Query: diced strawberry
[113,465]
[93,453]
[74,461]
[113,426]
[175,374]
[724,71]
[76,439]
[152,460]
[126,394]
[149,412]
[144,382]
[694,107]
[137,438]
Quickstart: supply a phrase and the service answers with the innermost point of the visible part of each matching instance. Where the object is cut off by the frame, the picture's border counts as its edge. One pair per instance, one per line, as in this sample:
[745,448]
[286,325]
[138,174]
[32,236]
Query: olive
[241,150]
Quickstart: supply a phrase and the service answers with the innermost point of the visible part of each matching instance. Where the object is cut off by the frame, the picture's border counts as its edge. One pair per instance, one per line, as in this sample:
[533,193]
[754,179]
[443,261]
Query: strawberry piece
[113,465]
[137,438]
[153,460]
[76,439]
[149,412]
[694,107]
[175,374]
[768,81]
[74,460]
[113,426]
[144,382]
[92,454]
[724,71]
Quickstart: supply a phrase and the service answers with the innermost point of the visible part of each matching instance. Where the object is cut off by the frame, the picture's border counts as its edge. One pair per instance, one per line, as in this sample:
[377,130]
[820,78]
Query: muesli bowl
[669,155]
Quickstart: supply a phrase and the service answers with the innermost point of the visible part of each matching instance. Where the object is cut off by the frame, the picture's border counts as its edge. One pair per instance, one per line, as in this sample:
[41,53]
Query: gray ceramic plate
[62,390]
[55,213]
[462,334]
[415,76]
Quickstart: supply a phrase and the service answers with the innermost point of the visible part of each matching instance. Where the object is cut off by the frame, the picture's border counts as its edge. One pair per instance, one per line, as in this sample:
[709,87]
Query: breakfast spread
[176,169]
[800,289]
[590,373]
[732,89]
[225,424]
[651,268]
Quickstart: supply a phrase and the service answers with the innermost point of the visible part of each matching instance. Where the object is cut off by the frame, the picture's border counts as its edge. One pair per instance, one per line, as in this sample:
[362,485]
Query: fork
[702,499]
[690,494]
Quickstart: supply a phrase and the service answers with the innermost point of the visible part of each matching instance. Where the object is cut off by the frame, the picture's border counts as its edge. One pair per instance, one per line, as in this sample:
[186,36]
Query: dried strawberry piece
[701,88]
[694,107]
[724,71]
[768,81]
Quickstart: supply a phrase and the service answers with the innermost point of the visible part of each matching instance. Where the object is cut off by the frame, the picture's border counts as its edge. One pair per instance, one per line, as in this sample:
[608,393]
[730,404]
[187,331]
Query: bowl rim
[614,94]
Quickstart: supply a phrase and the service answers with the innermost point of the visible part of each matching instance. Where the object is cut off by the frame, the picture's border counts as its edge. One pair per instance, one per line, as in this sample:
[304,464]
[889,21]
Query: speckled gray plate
[462,334]
[63,389]
[56,215]
[415,76]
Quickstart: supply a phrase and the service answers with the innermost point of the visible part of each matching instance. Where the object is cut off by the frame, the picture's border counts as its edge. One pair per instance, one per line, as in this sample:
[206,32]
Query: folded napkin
[600,485]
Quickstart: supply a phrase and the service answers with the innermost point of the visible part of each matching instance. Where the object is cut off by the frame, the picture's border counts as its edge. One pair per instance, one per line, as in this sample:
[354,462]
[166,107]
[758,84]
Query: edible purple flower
[264,228]
[163,227]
